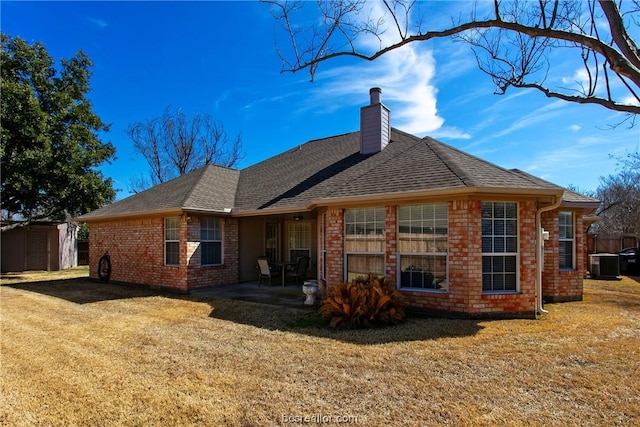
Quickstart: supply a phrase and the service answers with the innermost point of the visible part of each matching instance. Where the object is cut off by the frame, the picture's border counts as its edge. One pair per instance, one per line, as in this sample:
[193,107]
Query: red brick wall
[211,275]
[391,245]
[525,300]
[562,285]
[464,296]
[465,268]
[136,249]
[334,247]
[463,263]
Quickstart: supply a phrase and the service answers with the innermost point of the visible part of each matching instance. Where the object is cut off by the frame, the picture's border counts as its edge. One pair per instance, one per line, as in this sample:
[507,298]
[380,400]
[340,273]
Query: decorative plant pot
[310,289]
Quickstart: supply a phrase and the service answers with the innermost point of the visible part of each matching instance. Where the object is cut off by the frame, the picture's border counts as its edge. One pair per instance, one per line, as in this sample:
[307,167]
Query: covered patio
[290,295]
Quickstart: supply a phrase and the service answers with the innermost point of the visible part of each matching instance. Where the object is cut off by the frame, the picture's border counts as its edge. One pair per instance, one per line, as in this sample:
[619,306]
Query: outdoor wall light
[297,218]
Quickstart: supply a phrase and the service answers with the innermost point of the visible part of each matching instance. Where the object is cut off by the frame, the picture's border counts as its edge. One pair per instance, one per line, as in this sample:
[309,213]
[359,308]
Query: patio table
[283,268]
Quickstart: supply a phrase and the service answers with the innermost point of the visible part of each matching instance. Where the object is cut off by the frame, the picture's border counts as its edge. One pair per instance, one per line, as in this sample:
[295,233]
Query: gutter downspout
[540,252]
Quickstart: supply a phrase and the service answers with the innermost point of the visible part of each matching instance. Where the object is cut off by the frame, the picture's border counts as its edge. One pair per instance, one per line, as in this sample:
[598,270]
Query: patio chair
[265,271]
[300,271]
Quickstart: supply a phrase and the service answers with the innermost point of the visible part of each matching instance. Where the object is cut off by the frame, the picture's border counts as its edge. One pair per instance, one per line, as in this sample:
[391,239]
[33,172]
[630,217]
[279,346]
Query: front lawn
[79,352]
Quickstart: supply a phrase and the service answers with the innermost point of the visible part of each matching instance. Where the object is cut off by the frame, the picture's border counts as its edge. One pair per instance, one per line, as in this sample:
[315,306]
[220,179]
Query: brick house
[457,234]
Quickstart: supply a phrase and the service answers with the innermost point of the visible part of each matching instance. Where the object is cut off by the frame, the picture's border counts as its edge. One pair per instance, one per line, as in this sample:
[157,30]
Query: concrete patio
[288,296]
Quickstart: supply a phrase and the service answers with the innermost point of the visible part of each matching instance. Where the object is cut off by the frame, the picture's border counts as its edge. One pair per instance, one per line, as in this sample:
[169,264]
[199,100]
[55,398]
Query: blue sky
[219,58]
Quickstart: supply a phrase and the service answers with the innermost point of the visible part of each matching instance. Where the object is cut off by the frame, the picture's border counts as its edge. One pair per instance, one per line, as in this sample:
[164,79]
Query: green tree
[50,147]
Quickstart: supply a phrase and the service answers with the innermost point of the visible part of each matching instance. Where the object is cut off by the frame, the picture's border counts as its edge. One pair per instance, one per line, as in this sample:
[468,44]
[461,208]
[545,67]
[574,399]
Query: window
[566,240]
[299,240]
[323,249]
[364,242]
[499,246]
[172,241]
[272,247]
[210,241]
[422,244]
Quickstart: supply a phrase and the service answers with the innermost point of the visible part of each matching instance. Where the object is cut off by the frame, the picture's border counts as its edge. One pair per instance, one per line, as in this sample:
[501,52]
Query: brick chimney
[375,124]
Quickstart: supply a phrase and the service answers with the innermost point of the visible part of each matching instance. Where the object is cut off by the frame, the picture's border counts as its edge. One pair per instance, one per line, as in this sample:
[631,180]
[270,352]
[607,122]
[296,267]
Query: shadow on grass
[623,293]
[300,320]
[307,321]
[83,290]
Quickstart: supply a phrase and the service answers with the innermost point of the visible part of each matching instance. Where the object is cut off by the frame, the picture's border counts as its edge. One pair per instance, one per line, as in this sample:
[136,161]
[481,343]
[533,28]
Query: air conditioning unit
[605,266]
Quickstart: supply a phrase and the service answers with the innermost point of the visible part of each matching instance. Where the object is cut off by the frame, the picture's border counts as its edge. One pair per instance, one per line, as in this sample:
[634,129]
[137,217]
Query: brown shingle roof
[334,168]
[210,188]
[325,169]
[569,197]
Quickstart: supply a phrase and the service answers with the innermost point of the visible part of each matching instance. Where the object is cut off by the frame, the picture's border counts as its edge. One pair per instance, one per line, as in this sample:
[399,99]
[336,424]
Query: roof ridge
[294,148]
[469,178]
[450,161]
[188,194]
[211,167]
[378,164]
[532,178]
[428,141]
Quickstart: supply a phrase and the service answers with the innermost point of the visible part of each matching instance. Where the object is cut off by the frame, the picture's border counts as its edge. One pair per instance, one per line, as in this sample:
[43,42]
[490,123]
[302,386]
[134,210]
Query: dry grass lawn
[78,352]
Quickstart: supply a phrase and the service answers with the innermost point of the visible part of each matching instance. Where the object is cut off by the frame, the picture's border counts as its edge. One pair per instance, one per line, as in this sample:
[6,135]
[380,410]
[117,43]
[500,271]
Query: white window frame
[503,253]
[207,238]
[323,247]
[299,238]
[427,219]
[272,241]
[562,237]
[173,237]
[362,224]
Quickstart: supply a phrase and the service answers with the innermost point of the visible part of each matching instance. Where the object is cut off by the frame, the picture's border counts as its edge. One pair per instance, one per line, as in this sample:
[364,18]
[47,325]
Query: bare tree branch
[175,144]
[516,40]
[619,33]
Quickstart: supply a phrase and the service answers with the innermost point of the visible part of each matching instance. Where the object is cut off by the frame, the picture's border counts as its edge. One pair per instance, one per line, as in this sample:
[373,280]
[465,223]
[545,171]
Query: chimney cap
[374,95]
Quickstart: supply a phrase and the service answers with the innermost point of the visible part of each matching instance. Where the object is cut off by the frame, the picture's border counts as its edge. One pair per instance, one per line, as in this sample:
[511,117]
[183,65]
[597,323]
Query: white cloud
[405,76]
[508,113]
[98,22]
[541,115]
[575,128]
[630,100]
[450,133]
[580,77]
[578,161]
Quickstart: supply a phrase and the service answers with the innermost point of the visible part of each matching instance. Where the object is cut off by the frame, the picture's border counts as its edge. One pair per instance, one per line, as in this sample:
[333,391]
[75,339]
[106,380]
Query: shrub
[362,303]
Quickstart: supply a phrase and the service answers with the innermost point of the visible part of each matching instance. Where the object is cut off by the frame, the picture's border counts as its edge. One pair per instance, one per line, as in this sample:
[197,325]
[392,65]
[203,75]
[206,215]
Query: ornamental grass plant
[363,302]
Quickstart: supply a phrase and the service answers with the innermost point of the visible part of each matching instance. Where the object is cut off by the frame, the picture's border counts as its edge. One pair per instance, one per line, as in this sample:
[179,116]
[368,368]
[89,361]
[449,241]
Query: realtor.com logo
[319,419]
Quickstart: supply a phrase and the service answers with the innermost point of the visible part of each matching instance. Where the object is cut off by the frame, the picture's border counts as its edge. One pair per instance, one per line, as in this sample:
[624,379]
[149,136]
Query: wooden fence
[610,244]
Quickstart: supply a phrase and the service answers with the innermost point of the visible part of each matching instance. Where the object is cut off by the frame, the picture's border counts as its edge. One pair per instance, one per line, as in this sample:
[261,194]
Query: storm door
[272,249]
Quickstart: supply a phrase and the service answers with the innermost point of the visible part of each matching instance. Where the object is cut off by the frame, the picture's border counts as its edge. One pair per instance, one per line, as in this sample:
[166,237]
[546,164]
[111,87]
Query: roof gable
[209,188]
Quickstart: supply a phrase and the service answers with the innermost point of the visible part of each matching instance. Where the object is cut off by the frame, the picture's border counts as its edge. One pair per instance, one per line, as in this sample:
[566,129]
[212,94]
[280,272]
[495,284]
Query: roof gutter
[400,197]
[264,212]
[128,215]
[223,211]
[581,205]
[540,251]
[439,192]
[156,212]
